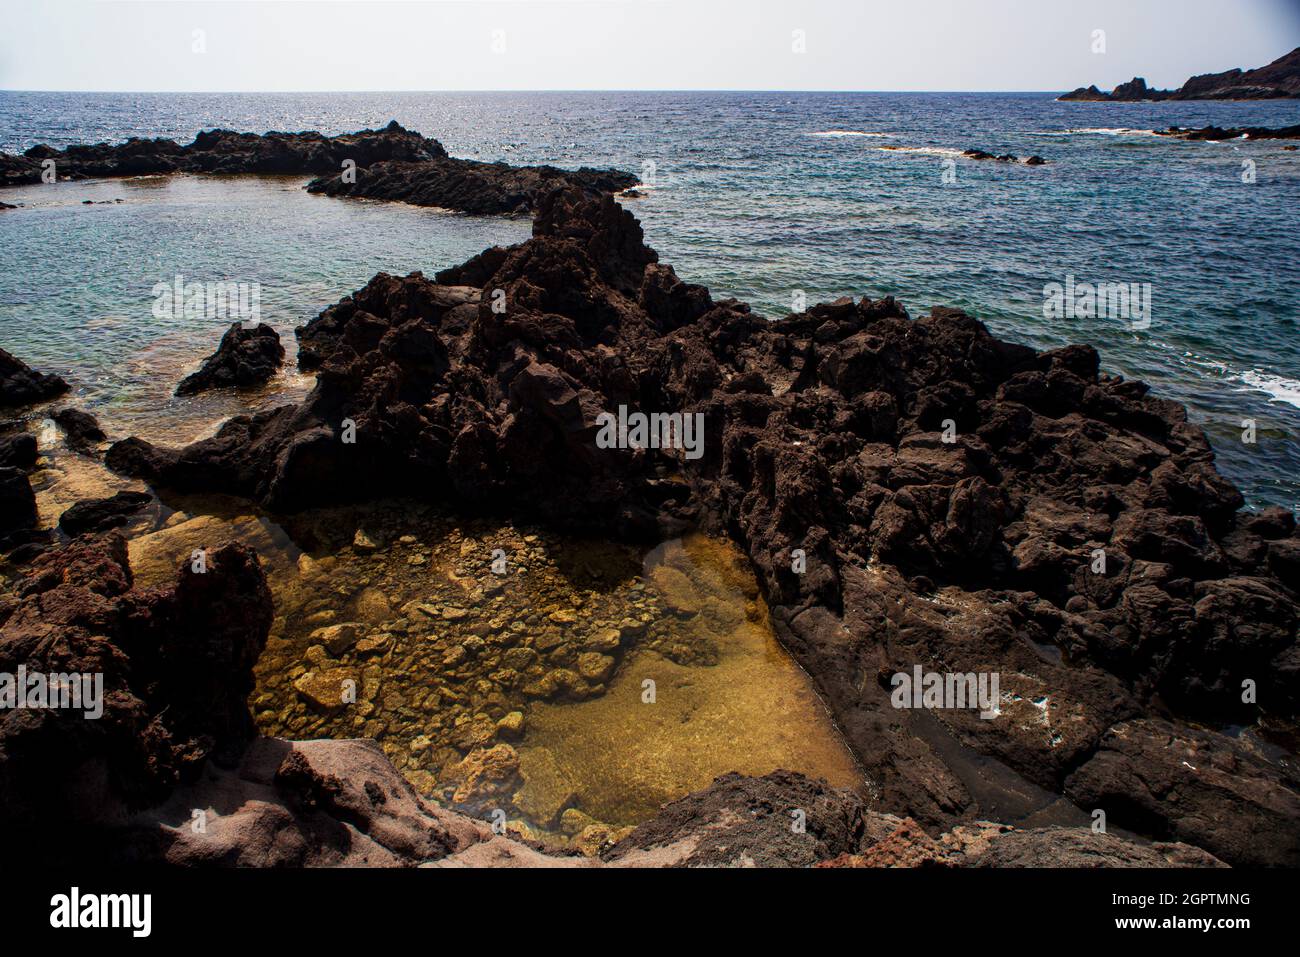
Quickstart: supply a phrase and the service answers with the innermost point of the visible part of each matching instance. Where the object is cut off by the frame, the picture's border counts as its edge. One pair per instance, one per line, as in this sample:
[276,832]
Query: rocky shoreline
[910,492]
[391,164]
[826,433]
[1278,80]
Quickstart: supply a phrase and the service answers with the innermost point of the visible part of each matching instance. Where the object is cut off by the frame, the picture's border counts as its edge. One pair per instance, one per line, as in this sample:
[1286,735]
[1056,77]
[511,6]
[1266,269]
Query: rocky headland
[393,164]
[961,503]
[1278,80]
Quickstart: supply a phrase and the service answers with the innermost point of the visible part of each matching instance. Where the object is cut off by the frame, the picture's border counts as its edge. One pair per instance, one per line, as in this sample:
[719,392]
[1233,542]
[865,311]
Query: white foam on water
[1097,131]
[838,133]
[1278,388]
[924,150]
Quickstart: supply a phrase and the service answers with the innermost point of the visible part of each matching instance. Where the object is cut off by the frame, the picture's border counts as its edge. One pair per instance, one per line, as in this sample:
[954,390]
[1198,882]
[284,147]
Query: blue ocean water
[754,194]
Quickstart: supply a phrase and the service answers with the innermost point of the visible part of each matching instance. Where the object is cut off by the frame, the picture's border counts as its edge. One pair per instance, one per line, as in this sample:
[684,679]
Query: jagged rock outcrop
[1178,781]
[468,186]
[962,503]
[20,384]
[1278,80]
[246,356]
[176,666]
[393,163]
[223,151]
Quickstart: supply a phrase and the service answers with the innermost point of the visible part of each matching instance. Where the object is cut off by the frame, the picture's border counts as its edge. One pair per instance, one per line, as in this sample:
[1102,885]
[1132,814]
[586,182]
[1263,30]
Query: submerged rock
[81,429]
[170,774]
[102,514]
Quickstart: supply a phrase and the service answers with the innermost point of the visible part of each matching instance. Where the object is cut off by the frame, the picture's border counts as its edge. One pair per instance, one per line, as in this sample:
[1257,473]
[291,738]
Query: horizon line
[522,90]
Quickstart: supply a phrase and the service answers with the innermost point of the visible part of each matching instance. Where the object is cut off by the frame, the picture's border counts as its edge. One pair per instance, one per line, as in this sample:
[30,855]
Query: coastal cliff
[1278,80]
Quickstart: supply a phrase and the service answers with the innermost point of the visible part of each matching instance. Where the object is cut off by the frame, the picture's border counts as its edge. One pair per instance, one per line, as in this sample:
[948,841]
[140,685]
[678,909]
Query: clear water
[442,648]
[748,199]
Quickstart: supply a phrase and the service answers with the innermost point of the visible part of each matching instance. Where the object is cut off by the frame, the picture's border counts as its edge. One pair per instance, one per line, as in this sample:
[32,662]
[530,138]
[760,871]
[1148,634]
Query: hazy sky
[630,44]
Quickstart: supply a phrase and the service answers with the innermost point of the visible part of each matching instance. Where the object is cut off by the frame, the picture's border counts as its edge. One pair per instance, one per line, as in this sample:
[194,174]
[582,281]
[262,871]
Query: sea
[774,198]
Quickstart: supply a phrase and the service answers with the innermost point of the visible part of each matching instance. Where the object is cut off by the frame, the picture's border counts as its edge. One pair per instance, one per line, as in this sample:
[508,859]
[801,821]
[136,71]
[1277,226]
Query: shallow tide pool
[567,687]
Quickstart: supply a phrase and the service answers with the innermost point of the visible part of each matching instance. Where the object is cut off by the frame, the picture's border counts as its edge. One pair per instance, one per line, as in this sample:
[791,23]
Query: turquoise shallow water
[755,195]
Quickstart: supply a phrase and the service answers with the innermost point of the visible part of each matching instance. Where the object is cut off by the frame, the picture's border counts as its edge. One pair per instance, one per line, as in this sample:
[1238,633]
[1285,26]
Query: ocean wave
[838,133]
[1278,388]
[924,150]
[1097,131]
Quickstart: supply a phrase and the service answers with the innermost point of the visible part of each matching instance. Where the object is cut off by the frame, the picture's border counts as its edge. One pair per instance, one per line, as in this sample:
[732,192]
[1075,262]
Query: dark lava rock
[783,819]
[1195,786]
[245,357]
[1087,94]
[224,151]
[17,504]
[1278,80]
[101,514]
[20,384]
[1081,847]
[1004,158]
[468,185]
[889,449]
[177,670]
[18,450]
[1233,133]
[392,163]
[747,821]
[81,429]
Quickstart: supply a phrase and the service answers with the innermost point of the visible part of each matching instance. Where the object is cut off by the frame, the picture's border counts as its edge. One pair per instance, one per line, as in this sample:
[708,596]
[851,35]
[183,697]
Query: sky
[336,45]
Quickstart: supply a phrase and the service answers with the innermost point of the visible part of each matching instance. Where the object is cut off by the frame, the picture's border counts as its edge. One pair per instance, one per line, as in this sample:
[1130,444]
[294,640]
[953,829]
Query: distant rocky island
[1278,80]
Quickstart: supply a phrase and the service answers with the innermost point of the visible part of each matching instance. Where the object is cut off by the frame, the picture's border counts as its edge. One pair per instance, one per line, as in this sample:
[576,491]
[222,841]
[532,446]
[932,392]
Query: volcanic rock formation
[392,163]
[246,356]
[176,669]
[962,503]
